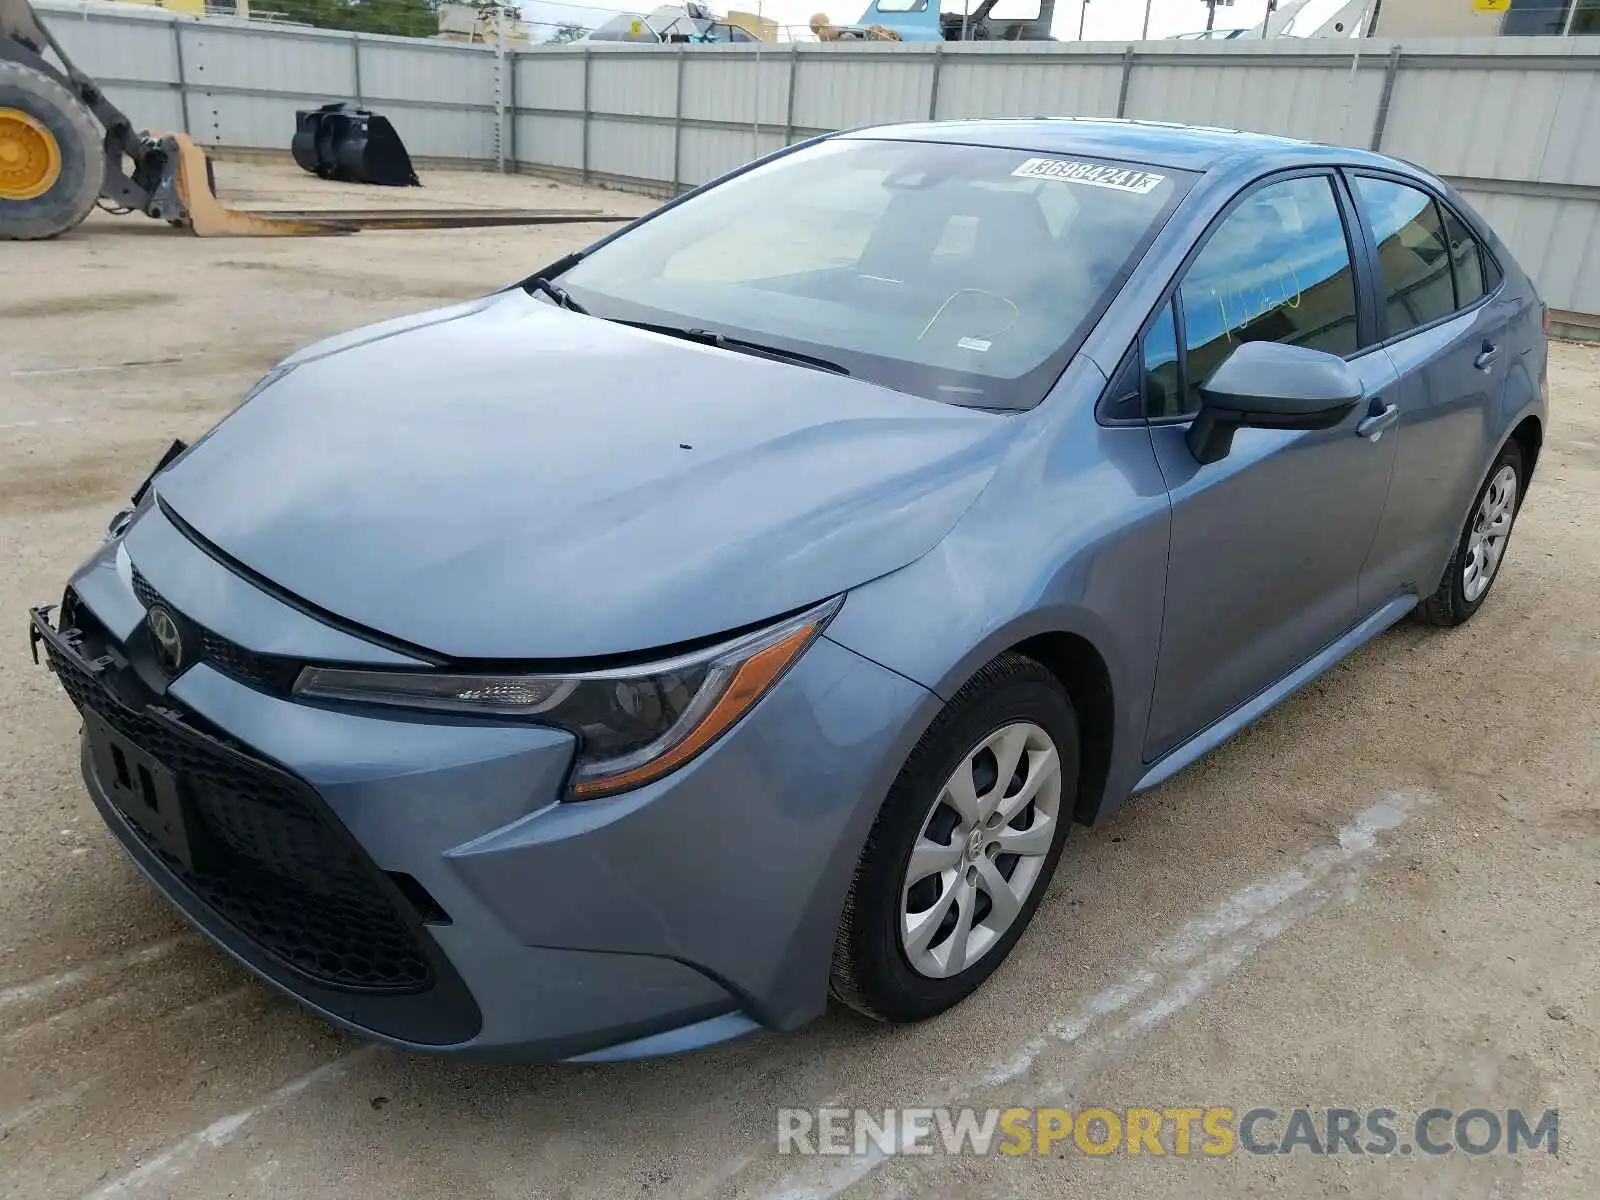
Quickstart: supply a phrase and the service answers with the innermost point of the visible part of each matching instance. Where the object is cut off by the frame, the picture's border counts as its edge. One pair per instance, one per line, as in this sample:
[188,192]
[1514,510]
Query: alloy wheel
[1491,527]
[981,850]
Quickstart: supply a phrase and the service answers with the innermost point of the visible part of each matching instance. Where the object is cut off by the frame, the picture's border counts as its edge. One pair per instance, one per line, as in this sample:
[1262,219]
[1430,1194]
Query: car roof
[1155,143]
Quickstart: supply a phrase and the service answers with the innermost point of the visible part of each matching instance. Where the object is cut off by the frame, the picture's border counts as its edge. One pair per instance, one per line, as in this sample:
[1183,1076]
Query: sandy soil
[1384,894]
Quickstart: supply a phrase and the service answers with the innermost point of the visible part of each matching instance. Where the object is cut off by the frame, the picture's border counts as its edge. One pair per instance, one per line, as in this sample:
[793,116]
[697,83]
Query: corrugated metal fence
[1514,122]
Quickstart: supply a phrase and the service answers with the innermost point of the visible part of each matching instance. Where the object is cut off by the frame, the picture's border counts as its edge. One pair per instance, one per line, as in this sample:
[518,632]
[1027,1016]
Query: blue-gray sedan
[743,609]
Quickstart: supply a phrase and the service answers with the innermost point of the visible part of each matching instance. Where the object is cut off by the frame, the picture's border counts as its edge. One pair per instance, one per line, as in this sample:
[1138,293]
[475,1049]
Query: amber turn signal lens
[749,683]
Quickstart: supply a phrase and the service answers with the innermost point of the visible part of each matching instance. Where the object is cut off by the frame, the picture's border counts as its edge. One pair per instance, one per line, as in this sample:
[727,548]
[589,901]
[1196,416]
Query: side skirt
[1215,734]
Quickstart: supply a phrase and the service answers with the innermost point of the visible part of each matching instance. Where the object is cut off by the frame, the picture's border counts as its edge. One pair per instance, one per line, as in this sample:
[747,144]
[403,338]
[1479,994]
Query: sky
[1109,20]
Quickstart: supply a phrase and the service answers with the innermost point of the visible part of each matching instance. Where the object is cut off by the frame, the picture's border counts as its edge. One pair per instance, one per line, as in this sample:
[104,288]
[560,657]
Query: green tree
[406,18]
[569,31]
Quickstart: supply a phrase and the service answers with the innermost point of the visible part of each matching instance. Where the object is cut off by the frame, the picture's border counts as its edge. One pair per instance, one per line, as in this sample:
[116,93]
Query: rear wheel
[51,167]
[1482,546]
[963,848]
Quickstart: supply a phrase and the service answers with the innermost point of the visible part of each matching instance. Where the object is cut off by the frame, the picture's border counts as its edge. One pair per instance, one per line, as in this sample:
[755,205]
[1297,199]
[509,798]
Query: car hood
[506,480]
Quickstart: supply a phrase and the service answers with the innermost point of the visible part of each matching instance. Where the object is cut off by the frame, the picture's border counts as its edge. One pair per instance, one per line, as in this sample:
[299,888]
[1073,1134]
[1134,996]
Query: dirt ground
[1385,894]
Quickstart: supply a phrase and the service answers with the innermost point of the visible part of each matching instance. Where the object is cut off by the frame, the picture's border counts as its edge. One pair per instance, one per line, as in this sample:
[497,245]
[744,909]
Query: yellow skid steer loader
[64,146]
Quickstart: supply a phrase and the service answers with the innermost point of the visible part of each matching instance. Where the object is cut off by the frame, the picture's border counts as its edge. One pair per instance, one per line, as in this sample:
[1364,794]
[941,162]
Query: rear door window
[1414,274]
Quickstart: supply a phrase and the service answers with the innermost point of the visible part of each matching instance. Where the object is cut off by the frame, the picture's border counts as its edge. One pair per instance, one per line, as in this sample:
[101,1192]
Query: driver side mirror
[1268,385]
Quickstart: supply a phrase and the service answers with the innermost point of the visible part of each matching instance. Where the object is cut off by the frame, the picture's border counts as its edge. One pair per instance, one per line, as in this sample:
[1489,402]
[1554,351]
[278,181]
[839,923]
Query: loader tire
[52,164]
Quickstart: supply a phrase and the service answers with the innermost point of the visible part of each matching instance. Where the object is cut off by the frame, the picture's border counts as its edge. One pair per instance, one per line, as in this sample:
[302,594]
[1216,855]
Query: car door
[1267,543]
[1446,324]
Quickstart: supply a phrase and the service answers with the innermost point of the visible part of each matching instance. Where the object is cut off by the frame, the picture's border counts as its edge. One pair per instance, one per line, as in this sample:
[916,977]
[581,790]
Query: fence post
[1127,76]
[501,89]
[177,55]
[677,126]
[511,111]
[355,64]
[588,59]
[933,87]
[1382,119]
[789,96]
[788,112]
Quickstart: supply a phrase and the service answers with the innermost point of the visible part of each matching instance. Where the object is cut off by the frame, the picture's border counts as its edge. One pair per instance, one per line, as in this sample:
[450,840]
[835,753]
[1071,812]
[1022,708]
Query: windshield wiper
[540,283]
[710,337]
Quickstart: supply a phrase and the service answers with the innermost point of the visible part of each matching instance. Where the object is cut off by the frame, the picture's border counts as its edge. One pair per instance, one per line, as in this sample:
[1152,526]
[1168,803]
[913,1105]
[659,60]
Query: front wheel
[1482,545]
[963,848]
[51,166]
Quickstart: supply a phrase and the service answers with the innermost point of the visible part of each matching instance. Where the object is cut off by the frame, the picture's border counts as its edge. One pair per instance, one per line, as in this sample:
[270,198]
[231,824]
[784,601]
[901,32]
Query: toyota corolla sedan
[741,611]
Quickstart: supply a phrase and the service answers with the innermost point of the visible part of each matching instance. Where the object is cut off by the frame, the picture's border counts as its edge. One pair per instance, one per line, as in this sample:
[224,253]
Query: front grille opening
[266,860]
[429,909]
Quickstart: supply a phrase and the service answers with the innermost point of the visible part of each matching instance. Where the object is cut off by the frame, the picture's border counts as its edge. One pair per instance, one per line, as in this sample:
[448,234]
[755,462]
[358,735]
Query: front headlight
[633,724]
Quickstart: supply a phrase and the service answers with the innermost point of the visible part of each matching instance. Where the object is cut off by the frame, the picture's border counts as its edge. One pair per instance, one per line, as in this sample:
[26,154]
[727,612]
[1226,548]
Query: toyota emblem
[167,636]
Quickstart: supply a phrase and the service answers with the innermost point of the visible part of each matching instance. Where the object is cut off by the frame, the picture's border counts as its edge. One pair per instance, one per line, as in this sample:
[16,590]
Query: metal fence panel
[631,149]
[708,153]
[973,86]
[1328,102]
[1495,123]
[547,141]
[1557,241]
[256,57]
[840,87]
[1504,122]
[255,122]
[550,79]
[1570,151]
[115,46]
[737,85]
[439,132]
[642,83]
[441,74]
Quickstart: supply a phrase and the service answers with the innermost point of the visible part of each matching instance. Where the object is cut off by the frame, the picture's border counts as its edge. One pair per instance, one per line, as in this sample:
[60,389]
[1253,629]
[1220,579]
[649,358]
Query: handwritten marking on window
[1240,305]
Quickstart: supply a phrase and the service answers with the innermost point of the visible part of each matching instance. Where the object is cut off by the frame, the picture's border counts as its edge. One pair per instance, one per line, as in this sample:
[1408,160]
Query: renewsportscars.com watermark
[1175,1132]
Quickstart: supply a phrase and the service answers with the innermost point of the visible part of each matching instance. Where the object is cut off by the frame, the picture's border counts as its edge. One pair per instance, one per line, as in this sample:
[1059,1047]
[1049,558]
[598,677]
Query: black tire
[79,140]
[871,973]
[1449,604]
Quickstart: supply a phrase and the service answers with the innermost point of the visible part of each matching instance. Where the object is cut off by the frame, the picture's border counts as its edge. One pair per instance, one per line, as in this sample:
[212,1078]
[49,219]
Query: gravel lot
[1385,894]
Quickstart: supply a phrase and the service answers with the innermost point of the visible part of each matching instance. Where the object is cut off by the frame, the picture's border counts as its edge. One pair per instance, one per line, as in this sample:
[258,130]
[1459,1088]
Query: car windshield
[967,274]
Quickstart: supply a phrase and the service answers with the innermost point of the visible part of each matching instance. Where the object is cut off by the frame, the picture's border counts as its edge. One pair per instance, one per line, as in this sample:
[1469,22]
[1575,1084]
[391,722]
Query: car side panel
[1267,547]
[1450,416]
[1070,537]
[1455,415]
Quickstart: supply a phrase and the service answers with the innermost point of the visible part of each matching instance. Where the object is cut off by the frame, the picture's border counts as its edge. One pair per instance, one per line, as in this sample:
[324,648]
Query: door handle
[1486,357]
[1372,428]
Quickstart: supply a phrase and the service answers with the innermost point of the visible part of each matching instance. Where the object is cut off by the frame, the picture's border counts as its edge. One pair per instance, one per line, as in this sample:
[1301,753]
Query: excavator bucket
[353,145]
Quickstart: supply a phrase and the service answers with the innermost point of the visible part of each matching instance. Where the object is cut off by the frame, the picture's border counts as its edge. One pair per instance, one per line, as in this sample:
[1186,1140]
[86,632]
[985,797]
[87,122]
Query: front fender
[1071,536]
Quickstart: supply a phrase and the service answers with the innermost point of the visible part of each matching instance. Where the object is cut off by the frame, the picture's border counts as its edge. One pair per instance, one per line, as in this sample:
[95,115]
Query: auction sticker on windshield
[1065,170]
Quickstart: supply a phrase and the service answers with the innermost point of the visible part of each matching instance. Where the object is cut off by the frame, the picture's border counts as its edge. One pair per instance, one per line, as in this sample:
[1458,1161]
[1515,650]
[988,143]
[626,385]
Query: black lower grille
[265,858]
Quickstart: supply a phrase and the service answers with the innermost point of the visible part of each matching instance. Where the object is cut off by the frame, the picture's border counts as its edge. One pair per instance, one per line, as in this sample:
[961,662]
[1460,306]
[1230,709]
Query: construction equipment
[65,147]
[351,144]
[949,21]
[1286,18]
[671,24]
